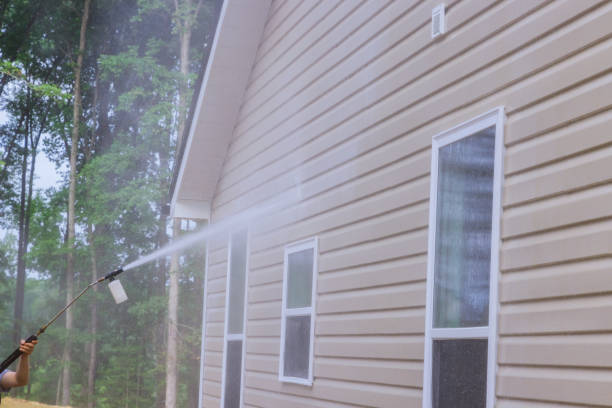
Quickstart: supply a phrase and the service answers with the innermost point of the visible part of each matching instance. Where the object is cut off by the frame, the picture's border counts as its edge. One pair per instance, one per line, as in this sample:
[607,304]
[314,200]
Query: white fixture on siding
[438,26]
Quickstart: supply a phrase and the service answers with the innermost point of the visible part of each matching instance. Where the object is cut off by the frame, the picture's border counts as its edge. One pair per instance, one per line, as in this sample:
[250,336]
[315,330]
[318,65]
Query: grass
[8,402]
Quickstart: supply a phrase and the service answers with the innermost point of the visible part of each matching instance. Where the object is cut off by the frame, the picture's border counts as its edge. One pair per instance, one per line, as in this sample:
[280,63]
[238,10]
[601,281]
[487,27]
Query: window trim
[311,243]
[495,117]
[227,337]
[203,338]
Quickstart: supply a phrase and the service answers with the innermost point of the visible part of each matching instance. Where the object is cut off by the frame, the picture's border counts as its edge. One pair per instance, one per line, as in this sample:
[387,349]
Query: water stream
[240,220]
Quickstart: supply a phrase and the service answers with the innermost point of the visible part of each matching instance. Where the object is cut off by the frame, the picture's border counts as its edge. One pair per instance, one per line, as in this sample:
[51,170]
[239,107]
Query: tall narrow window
[235,321]
[461,313]
[298,314]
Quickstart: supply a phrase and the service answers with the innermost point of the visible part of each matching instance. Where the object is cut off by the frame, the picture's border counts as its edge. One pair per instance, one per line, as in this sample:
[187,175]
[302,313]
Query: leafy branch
[47,90]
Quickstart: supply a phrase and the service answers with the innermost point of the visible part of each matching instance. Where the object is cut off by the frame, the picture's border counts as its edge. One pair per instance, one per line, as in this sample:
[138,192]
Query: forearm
[22,375]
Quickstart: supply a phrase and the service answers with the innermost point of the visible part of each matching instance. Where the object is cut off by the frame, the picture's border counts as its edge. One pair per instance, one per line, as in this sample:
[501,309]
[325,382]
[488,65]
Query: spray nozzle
[111,276]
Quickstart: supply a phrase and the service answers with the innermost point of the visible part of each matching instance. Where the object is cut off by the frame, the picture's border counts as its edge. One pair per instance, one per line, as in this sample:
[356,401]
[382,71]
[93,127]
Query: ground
[8,402]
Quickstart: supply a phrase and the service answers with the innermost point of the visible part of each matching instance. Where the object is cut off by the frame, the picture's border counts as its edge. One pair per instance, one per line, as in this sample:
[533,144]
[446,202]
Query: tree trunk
[185,26]
[185,40]
[171,356]
[76,113]
[91,372]
[20,289]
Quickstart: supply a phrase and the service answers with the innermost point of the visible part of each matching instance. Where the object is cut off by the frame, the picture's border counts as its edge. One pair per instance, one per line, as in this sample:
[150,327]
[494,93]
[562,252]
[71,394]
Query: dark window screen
[459,373]
[233,369]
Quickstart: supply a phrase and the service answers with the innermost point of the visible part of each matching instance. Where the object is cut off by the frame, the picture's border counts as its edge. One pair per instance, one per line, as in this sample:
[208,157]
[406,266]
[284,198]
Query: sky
[45,175]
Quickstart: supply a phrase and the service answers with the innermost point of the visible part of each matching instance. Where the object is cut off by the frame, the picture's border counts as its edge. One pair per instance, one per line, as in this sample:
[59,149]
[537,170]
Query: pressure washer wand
[15,354]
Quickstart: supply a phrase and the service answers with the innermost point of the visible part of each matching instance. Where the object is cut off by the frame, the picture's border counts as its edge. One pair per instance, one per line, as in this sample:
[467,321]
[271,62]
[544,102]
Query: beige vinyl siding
[343,100]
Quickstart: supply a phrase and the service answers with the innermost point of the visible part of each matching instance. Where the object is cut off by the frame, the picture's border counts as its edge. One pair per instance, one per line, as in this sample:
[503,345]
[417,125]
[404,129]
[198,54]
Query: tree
[74,146]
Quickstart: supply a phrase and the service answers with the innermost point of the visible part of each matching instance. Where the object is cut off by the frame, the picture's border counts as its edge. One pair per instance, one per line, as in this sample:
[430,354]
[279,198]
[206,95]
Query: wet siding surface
[343,101]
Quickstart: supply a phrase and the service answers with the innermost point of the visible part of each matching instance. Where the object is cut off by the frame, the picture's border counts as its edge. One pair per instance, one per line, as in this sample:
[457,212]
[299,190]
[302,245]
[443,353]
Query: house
[452,241]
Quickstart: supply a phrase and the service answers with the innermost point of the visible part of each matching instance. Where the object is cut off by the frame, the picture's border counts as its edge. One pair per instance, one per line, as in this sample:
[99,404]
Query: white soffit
[239,32]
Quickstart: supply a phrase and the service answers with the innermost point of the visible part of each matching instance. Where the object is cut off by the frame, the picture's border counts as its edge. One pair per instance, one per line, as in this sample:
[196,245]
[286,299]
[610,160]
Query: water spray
[116,290]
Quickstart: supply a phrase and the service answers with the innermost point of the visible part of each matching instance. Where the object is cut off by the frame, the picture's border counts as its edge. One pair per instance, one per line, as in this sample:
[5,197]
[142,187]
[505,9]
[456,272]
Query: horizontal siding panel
[325,35]
[217,270]
[578,137]
[215,315]
[268,310]
[212,389]
[375,347]
[213,359]
[263,364]
[212,372]
[565,177]
[266,259]
[263,346]
[589,387]
[508,403]
[280,26]
[380,203]
[217,285]
[214,344]
[354,188]
[561,211]
[215,300]
[217,258]
[373,229]
[392,322]
[215,329]
[563,351]
[265,275]
[387,273]
[563,109]
[262,398]
[265,293]
[332,165]
[395,297]
[304,73]
[401,246]
[584,278]
[562,316]
[363,394]
[404,374]
[280,10]
[296,36]
[263,328]
[580,243]
[210,402]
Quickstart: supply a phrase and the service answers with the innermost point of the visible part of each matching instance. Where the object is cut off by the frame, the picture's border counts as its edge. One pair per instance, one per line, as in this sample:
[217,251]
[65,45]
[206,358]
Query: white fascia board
[198,108]
[191,209]
[239,31]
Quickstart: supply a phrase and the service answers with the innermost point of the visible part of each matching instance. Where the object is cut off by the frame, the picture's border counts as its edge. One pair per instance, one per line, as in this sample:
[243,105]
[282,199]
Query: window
[463,263]
[235,311]
[298,313]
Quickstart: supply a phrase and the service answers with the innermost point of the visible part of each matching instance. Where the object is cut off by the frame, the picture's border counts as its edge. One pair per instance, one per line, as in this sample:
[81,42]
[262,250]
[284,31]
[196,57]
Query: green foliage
[130,81]
[47,90]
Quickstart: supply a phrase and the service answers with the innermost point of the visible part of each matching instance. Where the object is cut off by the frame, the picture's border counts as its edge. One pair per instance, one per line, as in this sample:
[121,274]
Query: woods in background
[102,89]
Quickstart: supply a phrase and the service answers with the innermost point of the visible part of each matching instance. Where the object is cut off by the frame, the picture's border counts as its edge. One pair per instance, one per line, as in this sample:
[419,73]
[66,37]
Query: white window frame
[203,338]
[495,117]
[311,243]
[230,337]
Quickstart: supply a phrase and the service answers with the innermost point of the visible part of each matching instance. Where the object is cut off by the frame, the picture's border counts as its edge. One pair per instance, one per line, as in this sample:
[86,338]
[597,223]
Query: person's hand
[27,348]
